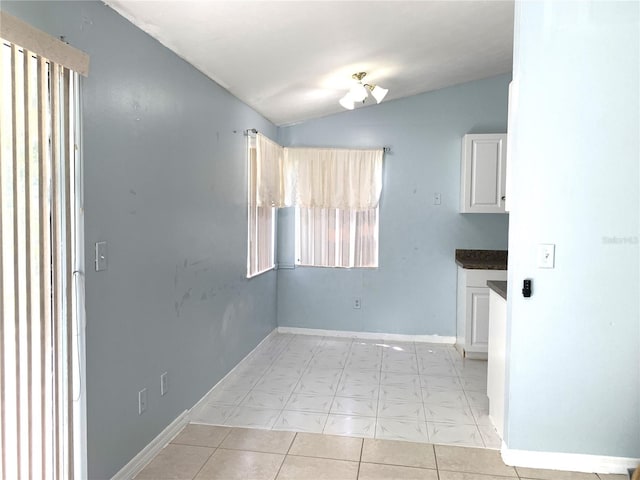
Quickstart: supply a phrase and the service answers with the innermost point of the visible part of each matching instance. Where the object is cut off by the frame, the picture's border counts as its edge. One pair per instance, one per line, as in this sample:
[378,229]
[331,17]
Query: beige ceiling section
[293,60]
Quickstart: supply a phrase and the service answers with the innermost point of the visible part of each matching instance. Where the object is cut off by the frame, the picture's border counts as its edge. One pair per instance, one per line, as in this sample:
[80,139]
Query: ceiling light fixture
[360,91]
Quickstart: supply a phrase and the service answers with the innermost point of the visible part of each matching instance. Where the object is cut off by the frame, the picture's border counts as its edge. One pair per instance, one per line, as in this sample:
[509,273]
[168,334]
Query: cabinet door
[483,173]
[478,312]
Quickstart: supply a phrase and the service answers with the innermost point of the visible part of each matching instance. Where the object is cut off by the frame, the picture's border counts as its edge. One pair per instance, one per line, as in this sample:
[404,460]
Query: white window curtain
[336,193]
[347,179]
[269,174]
[39,356]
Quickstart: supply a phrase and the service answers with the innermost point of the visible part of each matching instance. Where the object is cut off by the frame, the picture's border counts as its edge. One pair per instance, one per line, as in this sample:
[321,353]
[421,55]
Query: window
[332,237]
[261,218]
[336,193]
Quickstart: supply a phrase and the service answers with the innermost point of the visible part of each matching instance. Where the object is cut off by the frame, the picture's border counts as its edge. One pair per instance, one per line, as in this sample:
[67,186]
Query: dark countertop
[482,259]
[499,287]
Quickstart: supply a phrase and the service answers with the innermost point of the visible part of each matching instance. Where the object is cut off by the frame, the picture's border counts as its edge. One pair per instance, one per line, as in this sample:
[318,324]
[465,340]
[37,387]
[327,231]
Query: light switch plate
[546,255]
[101,256]
[164,383]
[142,401]
[437,198]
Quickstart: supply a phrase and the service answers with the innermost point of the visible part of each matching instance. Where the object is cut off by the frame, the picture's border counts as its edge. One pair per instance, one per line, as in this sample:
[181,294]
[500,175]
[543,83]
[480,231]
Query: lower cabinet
[496,371]
[473,310]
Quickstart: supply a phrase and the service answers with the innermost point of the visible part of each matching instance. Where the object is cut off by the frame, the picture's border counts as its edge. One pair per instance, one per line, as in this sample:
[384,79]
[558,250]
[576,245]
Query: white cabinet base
[496,369]
[473,311]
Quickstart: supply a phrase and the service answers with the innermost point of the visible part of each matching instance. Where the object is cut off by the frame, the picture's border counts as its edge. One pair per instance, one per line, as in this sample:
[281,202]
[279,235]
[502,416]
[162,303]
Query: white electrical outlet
[164,383]
[437,198]
[356,303]
[142,401]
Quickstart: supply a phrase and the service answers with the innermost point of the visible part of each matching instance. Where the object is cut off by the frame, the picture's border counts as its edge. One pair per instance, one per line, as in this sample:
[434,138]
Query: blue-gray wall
[574,362]
[414,289]
[165,186]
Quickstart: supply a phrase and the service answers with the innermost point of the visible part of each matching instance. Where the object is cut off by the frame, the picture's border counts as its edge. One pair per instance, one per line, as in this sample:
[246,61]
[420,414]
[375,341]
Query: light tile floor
[366,388]
[205,452]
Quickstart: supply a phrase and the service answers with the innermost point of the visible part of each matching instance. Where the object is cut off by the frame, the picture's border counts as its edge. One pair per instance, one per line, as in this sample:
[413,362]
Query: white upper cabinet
[483,173]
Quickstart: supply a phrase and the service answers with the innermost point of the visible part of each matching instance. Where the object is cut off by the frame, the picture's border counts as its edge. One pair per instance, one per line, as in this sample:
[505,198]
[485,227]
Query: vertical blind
[333,237]
[261,212]
[36,243]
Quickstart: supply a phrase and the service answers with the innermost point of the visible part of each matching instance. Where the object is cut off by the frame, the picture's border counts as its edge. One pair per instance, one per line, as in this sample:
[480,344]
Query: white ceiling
[293,60]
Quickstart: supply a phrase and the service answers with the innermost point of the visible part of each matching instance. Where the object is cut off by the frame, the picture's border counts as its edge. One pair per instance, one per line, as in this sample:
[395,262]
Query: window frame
[256,234]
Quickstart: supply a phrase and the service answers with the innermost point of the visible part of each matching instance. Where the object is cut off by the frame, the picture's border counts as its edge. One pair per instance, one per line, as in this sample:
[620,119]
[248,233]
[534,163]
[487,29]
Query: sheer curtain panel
[347,179]
[336,193]
[269,174]
[38,356]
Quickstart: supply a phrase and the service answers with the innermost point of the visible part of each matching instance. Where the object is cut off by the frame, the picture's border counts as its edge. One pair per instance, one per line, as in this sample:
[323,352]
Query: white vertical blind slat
[46,288]
[16,268]
[58,427]
[3,449]
[66,374]
[28,159]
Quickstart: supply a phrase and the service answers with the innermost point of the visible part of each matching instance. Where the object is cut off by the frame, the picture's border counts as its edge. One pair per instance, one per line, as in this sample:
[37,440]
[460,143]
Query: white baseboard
[203,400]
[567,461]
[394,337]
[137,463]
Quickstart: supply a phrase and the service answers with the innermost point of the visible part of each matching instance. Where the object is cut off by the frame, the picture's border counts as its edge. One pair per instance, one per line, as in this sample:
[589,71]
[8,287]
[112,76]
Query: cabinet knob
[503,198]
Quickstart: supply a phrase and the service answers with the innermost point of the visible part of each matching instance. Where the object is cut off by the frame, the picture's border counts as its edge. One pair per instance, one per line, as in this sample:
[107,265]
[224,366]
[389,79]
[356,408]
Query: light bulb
[358,92]
[379,93]
[347,101]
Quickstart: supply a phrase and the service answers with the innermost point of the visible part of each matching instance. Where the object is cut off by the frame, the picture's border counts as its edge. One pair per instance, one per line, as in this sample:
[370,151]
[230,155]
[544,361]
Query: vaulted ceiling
[293,60]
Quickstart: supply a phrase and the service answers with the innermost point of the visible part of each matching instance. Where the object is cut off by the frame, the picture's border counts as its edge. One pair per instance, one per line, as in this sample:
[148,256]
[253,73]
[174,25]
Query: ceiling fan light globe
[379,93]
[358,93]
[347,102]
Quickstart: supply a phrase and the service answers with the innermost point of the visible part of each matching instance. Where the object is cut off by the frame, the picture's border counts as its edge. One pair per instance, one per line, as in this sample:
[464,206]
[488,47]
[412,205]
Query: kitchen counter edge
[482,259]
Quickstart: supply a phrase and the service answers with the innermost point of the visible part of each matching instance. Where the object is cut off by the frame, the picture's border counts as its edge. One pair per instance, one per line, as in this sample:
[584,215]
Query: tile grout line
[375,426]
[258,381]
[271,364]
[360,458]
[284,458]
[282,410]
[335,393]
[424,408]
[307,365]
[204,463]
[435,458]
